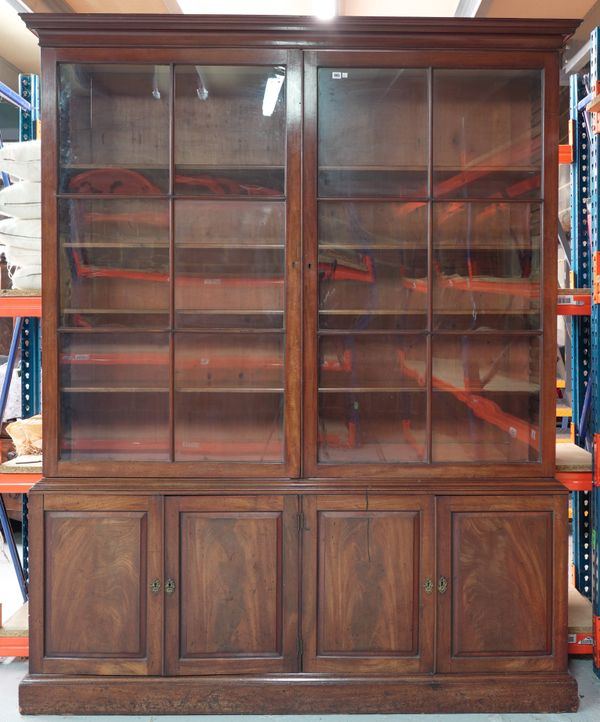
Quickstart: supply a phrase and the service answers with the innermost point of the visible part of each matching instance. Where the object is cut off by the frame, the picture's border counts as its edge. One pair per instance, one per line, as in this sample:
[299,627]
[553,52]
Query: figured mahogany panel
[234,605]
[500,610]
[100,615]
[365,567]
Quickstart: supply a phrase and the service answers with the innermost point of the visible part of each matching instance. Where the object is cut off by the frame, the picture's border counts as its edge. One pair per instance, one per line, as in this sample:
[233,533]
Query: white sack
[21,200]
[22,160]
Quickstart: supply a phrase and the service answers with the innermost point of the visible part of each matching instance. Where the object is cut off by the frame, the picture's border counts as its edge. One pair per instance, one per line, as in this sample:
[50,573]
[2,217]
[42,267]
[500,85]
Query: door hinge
[300,516]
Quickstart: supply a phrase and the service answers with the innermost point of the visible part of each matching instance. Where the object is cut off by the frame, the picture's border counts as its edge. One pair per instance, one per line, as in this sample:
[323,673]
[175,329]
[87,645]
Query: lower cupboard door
[231,585]
[368,597]
[95,560]
[502,565]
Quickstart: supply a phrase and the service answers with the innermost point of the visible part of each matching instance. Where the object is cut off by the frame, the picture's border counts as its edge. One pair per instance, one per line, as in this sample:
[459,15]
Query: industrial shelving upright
[581,324]
[594,192]
[26,311]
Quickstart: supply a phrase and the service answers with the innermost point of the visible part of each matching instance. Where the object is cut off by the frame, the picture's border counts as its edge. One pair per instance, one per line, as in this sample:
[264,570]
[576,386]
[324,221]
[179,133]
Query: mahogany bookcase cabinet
[299,355]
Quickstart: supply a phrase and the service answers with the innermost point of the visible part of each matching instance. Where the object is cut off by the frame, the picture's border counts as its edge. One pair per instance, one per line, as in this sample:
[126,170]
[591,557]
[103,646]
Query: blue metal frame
[581,505]
[31,356]
[12,548]
[29,89]
[581,268]
[26,331]
[24,106]
[31,363]
[581,261]
[595,356]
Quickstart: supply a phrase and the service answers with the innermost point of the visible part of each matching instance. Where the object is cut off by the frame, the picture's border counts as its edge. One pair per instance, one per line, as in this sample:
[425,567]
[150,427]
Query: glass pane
[367,362]
[114,263]
[114,128]
[487,126]
[372,427]
[373,265]
[370,290]
[229,260]
[486,398]
[229,426]
[114,396]
[229,223]
[372,225]
[228,281]
[373,132]
[487,266]
[242,362]
[230,130]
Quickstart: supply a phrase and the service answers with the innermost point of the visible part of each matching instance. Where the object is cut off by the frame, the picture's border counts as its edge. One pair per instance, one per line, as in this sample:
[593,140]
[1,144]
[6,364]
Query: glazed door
[232,585]
[502,575]
[101,594]
[368,593]
[423,297]
[178,246]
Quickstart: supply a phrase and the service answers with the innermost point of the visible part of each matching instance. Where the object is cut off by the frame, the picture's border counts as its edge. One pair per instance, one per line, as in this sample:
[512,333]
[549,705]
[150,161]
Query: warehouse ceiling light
[325,9]
[322,9]
[272,91]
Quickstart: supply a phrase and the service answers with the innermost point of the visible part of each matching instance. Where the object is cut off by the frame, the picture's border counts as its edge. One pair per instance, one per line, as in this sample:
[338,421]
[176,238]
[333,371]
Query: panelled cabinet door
[101,607]
[502,561]
[368,597]
[232,576]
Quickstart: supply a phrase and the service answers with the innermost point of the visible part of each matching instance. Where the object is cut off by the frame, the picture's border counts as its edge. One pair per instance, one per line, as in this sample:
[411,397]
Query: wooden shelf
[233,246]
[123,244]
[165,167]
[414,246]
[227,390]
[372,390]
[113,390]
[467,168]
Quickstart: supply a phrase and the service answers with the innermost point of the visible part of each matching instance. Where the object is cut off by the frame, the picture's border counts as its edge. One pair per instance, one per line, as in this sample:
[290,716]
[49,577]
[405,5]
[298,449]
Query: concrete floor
[12,671]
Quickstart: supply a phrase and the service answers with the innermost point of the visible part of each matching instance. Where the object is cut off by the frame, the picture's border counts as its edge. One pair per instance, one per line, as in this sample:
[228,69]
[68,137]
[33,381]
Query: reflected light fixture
[324,9]
[272,90]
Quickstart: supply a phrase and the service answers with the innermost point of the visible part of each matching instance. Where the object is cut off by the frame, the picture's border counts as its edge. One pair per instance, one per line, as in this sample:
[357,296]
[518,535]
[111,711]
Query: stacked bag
[21,232]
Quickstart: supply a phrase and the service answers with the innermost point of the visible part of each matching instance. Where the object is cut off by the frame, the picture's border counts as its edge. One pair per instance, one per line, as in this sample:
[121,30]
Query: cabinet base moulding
[299,694]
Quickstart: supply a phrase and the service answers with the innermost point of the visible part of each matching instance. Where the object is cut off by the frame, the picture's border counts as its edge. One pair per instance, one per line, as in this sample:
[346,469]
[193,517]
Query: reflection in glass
[248,362]
[113,125]
[231,281]
[229,426]
[370,362]
[114,361]
[487,126]
[486,266]
[372,225]
[114,263]
[486,398]
[240,150]
[114,396]
[120,426]
[230,223]
[372,427]
[383,289]
[373,132]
